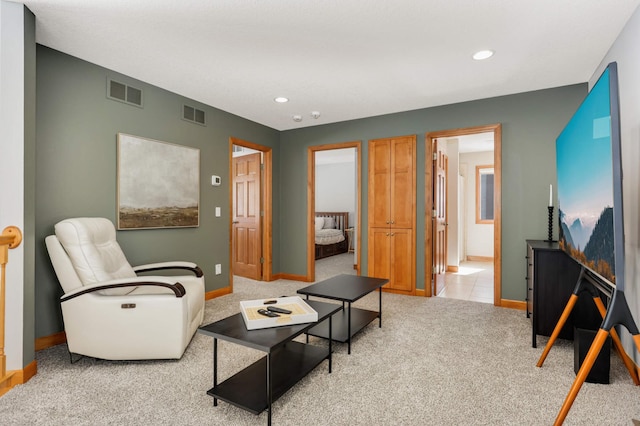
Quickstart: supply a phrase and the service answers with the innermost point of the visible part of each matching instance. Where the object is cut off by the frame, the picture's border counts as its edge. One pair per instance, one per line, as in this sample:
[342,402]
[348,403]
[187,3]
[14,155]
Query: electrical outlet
[218,269]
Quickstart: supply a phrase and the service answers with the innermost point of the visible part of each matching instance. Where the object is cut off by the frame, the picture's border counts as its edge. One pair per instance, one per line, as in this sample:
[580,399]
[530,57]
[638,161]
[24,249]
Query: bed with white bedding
[330,233]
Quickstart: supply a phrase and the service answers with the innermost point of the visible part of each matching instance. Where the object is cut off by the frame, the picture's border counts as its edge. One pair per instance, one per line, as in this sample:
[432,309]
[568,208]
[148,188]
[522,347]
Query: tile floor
[473,281]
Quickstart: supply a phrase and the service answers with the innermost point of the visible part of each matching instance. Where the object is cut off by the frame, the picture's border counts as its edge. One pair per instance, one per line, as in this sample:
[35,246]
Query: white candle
[550,195]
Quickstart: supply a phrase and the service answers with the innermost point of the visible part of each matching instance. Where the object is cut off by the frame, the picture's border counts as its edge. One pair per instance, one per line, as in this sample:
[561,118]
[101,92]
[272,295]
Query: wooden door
[392,212]
[402,276]
[247,232]
[403,194]
[440,168]
[378,257]
[379,183]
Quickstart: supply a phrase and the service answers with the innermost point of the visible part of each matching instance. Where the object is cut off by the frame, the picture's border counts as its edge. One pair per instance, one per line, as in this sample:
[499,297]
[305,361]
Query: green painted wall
[76,169]
[530,124]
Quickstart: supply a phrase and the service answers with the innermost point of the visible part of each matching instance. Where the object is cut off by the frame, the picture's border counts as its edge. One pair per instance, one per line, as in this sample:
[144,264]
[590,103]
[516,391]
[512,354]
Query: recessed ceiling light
[483,54]
[281,99]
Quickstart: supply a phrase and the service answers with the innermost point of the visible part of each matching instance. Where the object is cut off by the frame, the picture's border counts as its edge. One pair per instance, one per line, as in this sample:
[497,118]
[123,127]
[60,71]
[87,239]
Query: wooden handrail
[11,238]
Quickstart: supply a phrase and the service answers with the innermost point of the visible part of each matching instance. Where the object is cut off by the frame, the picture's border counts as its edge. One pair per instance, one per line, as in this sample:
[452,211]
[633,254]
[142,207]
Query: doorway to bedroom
[333,200]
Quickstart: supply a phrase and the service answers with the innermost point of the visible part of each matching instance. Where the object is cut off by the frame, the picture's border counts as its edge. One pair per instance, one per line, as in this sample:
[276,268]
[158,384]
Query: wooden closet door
[392,212]
[402,260]
[378,257]
[379,183]
[403,182]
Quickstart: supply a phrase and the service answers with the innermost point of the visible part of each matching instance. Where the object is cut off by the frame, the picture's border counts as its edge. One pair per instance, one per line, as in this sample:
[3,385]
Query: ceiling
[345,59]
[478,142]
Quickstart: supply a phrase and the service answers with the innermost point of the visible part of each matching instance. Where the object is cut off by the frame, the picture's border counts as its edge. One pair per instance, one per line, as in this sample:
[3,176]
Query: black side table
[256,387]
[346,288]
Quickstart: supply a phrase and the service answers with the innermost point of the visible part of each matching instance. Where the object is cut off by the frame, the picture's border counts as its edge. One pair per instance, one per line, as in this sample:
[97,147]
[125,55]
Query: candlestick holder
[550,224]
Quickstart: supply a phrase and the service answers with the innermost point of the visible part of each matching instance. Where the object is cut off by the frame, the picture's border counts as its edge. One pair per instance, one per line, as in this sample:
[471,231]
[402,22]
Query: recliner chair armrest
[166,282]
[189,266]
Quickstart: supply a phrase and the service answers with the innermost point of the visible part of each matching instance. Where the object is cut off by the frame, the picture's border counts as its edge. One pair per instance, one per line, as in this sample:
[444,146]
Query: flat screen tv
[590,183]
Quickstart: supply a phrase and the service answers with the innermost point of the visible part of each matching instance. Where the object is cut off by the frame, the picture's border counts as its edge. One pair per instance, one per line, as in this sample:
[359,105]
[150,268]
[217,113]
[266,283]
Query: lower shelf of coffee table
[247,389]
[360,318]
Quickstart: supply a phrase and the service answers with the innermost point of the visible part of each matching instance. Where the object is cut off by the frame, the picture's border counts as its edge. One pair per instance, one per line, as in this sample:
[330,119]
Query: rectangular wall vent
[123,93]
[193,115]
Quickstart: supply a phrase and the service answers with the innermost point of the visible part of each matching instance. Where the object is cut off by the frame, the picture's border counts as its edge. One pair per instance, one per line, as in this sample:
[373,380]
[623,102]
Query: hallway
[473,282]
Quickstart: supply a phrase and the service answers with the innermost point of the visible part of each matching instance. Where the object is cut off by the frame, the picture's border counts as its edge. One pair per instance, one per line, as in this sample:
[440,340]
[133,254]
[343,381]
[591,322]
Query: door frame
[311,202]
[496,129]
[267,206]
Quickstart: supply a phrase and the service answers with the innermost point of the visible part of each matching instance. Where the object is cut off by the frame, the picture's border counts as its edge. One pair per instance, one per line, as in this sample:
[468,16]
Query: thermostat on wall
[215,180]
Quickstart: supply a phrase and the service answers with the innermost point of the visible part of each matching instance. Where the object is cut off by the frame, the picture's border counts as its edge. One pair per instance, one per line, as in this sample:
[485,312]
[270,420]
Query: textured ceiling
[346,59]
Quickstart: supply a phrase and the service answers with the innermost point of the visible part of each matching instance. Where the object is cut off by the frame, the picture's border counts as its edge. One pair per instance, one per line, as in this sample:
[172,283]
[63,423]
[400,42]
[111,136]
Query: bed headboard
[341,218]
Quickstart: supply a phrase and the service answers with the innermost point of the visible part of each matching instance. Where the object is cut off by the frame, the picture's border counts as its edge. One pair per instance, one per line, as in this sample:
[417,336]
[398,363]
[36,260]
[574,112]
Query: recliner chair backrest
[90,243]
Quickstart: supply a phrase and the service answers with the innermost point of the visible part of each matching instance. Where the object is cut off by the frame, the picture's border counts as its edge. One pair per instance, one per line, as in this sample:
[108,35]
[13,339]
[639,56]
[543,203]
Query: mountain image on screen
[580,233]
[565,233]
[600,245]
[598,253]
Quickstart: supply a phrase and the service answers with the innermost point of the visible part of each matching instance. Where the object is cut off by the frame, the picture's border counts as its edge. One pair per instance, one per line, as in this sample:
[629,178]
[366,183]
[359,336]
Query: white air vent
[193,115]
[123,93]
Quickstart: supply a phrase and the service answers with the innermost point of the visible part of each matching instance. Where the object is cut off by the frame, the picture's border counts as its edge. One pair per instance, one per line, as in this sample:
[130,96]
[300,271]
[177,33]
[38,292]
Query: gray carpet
[335,265]
[435,361]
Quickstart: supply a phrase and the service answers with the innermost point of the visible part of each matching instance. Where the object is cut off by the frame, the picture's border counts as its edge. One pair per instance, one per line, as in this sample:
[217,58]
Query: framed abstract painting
[158,184]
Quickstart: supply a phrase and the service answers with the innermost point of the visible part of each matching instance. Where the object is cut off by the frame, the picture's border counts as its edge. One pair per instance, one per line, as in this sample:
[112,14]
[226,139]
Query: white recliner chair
[109,311]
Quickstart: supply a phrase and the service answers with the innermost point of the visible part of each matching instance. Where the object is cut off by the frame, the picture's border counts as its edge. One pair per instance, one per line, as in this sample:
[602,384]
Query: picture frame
[158,184]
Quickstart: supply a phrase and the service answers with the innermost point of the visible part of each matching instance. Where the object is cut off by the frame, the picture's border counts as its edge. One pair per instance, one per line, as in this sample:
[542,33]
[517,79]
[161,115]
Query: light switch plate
[218,213]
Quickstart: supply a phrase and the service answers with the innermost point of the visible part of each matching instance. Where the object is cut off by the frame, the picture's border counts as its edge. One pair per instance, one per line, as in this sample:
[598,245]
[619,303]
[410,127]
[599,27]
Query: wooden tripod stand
[617,314]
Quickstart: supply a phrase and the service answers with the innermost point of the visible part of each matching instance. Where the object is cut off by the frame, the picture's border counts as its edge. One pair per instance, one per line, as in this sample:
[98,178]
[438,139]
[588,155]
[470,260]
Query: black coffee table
[346,288]
[256,387]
